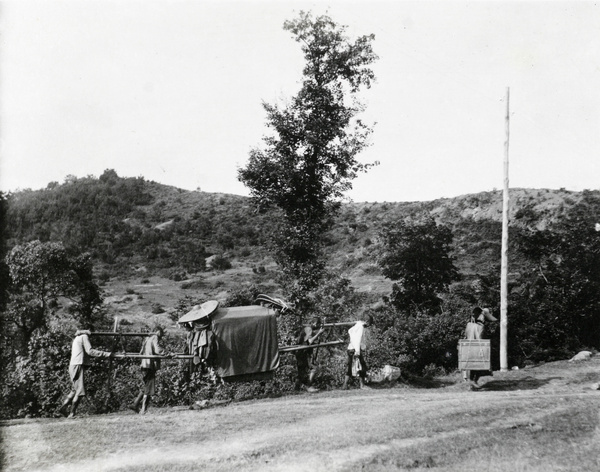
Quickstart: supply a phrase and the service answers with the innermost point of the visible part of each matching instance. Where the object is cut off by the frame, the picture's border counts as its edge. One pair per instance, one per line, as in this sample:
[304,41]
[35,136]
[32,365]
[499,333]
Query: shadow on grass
[414,382]
[527,383]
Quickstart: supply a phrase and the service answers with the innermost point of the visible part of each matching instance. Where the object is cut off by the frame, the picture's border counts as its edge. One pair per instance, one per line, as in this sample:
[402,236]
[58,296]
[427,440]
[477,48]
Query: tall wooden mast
[504,257]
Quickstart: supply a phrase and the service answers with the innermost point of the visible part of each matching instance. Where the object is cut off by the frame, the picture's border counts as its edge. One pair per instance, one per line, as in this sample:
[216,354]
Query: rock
[581,356]
[391,373]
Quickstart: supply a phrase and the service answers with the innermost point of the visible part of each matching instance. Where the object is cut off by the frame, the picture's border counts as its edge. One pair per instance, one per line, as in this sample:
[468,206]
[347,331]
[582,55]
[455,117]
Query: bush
[157,309]
[419,343]
[33,384]
[244,296]
[193,285]
[221,263]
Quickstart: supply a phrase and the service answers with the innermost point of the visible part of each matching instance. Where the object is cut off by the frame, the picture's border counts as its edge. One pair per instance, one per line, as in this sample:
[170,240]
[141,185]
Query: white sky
[172,91]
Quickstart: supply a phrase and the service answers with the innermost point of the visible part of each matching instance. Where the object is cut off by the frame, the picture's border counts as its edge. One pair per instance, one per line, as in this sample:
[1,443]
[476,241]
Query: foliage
[244,296]
[418,341]
[221,263]
[124,220]
[310,157]
[92,209]
[417,255]
[555,303]
[38,379]
[41,273]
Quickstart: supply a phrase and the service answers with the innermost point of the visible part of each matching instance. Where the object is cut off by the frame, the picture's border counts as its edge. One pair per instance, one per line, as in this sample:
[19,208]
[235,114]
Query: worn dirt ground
[542,418]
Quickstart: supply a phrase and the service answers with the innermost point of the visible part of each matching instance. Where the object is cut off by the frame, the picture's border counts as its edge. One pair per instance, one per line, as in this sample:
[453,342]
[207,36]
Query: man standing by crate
[475,330]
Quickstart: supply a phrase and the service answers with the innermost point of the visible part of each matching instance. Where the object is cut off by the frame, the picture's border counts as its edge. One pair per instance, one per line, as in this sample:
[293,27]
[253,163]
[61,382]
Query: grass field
[543,418]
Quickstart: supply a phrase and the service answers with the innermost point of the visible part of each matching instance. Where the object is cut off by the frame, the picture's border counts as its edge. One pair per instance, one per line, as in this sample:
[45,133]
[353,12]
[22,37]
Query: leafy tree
[417,256]
[554,306]
[309,158]
[41,273]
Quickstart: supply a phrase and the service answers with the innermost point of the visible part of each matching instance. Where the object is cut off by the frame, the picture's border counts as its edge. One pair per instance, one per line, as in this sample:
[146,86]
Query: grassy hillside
[138,229]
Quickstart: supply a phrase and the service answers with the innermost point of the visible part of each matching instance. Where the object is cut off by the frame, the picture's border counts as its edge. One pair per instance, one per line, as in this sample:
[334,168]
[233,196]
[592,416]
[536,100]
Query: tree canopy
[40,274]
[309,159]
[554,304]
[417,255]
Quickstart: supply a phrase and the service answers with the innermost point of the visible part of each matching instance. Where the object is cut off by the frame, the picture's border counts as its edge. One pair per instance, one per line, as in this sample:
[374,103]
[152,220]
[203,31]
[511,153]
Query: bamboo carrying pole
[129,355]
[341,323]
[132,355]
[309,346]
[504,255]
[116,333]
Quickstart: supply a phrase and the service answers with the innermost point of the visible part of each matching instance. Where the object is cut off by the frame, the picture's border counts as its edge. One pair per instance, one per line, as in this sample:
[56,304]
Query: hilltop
[141,231]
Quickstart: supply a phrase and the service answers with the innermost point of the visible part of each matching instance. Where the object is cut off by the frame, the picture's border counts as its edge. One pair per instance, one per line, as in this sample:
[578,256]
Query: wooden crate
[474,354]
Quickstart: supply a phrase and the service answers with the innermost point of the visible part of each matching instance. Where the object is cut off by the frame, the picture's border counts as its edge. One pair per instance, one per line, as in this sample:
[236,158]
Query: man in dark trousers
[305,358]
[81,353]
[149,366]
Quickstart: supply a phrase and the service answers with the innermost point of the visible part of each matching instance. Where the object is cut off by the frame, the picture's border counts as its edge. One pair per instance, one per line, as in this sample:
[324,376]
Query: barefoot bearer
[149,366]
[356,366]
[81,353]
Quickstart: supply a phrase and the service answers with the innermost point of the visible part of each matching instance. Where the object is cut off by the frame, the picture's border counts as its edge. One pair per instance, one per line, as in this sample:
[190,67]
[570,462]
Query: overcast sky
[172,91]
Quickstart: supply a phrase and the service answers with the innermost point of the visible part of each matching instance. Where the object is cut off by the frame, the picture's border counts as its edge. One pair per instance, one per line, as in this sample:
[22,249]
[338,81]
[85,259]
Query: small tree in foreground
[309,158]
[40,274]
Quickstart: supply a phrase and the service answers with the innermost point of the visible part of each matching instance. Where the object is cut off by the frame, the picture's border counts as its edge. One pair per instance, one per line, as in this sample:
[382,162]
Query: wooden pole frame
[282,349]
[504,253]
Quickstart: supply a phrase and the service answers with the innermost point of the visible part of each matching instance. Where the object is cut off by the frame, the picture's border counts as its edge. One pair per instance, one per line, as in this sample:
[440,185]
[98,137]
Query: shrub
[177,276]
[221,263]
[193,285]
[244,296]
[417,343]
[33,384]
[157,309]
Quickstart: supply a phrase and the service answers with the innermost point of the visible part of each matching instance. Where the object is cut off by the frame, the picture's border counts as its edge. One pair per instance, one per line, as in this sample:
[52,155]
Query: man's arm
[314,338]
[301,337]
[156,349]
[91,351]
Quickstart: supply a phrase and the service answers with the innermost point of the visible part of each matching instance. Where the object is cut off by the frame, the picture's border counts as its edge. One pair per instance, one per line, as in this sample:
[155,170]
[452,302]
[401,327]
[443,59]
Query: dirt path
[378,429]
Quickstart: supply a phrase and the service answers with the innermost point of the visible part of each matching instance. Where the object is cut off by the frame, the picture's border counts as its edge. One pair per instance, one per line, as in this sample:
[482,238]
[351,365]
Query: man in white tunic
[81,353]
